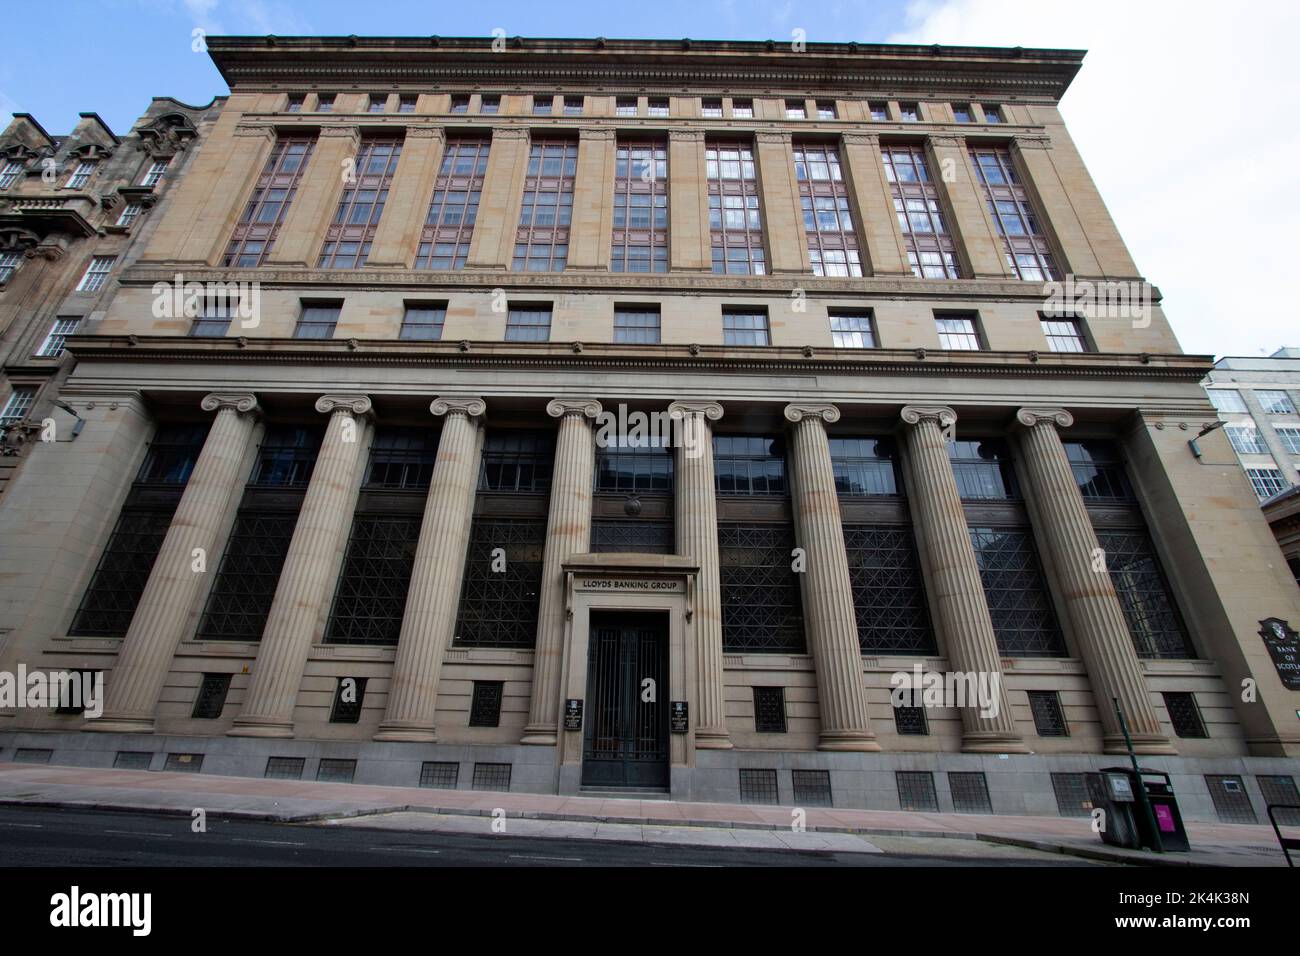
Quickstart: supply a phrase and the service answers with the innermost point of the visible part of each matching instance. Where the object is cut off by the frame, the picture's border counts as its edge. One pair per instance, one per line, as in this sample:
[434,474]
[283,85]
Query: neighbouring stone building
[379,508]
[74,211]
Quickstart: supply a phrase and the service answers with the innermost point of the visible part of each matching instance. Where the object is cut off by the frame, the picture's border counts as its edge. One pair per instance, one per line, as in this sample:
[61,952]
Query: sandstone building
[370,519]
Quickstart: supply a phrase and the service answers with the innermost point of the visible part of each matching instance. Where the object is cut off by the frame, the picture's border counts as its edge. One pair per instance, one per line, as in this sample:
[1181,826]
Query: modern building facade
[75,210]
[601,414]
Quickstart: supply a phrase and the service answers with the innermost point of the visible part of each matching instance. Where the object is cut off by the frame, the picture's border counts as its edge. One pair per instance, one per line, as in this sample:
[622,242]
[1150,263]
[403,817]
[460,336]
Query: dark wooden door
[625,733]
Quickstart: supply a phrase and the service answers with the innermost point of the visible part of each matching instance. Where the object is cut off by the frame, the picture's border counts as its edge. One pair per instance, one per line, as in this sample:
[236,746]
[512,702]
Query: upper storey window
[542,104]
[879,111]
[711,108]
[377,103]
[260,222]
[13,169]
[9,262]
[826,110]
[625,106]
[490,104]
[406,103]
[640,207]
[794,109]
[961,112]
[910,112]
[657,106]
[449,227]
[460,103]
[930,249]
[85,169]
[992,113]
[157,169]
[347,242]
[742,109]
[573,105]
[1275,401]
[325,103]
[827,222]
[1023,240]
[542,241]
[295,102]
[735,217]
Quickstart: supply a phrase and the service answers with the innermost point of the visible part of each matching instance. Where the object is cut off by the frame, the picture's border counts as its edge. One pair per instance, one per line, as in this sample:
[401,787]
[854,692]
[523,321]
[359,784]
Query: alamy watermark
[66,690]
[628,428]
[1099,299]
[213,300]
[922,688]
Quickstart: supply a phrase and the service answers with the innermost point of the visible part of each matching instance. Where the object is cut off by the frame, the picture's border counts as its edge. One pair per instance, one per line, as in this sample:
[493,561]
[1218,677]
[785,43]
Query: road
[35,836]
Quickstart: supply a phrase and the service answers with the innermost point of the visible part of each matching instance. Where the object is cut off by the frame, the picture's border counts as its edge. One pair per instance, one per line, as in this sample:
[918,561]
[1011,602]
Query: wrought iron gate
[625,737]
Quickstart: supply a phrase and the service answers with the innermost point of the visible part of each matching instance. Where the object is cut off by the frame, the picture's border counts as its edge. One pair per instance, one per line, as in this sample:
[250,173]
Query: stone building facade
[608,415]
[75,211]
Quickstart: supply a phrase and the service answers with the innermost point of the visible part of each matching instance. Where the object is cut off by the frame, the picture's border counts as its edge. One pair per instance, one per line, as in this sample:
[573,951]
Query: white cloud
[1182,112]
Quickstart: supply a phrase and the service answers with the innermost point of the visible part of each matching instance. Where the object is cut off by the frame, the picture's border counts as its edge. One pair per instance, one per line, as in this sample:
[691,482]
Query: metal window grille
[485,705]
[636,326]
[57,338]
[742,109]
[81,176]
[916,790]
[318,321]
[640,232]
[96,273]
[735,209]
[244,589]
[423,323]
[1072,799]
[758,786]
[1049,719]
[958,333]
[211,698]
[1275,401]
[970,792]
[1064,335]
[9,262]
[499,608]
[453,210]
[769,710]
[888,590]
[1184,715]
[33,755]
[491,776]
[865,467]
[132,760]
[827,220]
[371,595]
[517,461]
[67,702]
[1231,801]
[284,768]
[348,239]
[1018,600]
[9,175]
[910,721]
[114,591]
[983,469]
[259,223]
[529,325]
[1280,788]
[621,535]
[184,763]
[749,465]
[852,330]
[812,788]
[1227,400]
[762,609]
[402,458]
[1098,471]
[439,775]
[334,770]
[1154,622]
[745,328]
[1266,481]
[130,212]
[542,239]
[157,169]
[634,468]
[349,695]
[1027,250]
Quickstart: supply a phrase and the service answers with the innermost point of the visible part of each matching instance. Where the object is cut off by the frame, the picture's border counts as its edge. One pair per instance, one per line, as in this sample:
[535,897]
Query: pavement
[658,822]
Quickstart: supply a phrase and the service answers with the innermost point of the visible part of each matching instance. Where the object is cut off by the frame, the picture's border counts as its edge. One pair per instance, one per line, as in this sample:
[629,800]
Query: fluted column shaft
[568,532]
[832,624]
[958,593]
[696,521]
[307,574]
[136,680]
[433,598]
[1087,591]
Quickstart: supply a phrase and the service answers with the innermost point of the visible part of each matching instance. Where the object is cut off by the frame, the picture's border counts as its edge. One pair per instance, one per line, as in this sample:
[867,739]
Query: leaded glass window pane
[1018,600]
[247,578]
[761,606]
[1154,622]
[499,598]
[888,590]
[371,595]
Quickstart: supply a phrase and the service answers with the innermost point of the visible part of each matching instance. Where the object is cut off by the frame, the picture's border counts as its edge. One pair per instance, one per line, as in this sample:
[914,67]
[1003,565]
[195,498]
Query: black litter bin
[1115,790]
[1164,807]
[1111,791]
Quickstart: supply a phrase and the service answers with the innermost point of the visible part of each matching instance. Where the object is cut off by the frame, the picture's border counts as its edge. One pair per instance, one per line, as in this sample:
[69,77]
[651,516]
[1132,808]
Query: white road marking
[265,842]
[25,826]
[556,859]
[137,833]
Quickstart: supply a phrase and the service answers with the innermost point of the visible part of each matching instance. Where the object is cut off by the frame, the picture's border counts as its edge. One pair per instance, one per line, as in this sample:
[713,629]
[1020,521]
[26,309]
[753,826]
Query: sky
[1180,110]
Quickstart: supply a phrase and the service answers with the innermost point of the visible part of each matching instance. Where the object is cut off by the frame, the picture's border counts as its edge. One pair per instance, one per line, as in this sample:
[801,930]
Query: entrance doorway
[625,732]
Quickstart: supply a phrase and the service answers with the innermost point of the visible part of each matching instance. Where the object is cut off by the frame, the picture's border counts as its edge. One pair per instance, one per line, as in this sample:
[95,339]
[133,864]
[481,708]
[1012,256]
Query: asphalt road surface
[34,836]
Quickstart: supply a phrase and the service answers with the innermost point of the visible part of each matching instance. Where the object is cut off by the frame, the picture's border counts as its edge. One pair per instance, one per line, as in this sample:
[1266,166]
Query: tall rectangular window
[1026,248]
[529,324]
[745,327]
[348,239]
[157,169]
[423,321]
[992,113]
[1184,715]
[930,248]
[370,597]
[762,609]
[17,405]
[318,320]
[1266,481]
[10,173]
[640,207]
[827,222]
[542,241]
[1275,401]
[259,223]
[636,325]
[449,226]
[910,112]
[1019,602]
[9,265]
[852,330]
[81,175]
[498,608]
[1245,439]
[54,342]
[1290,438]
[735,217]
[961,112]
[958,332]
[1227,400]
[96,274]
[1049,718]
[1065,335]
[130,213]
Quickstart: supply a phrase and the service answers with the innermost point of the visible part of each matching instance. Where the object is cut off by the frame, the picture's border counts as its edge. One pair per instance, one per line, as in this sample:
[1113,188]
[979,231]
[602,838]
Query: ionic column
[696,522]
[957,591]
[433,598]
[308,573]
[827,592]
[568,532]
[1088,593]
[136,680]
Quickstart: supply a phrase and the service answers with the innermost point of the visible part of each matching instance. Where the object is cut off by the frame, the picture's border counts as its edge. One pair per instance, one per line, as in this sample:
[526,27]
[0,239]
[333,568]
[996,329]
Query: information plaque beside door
[679,717]
[573,714]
